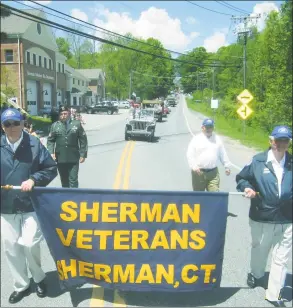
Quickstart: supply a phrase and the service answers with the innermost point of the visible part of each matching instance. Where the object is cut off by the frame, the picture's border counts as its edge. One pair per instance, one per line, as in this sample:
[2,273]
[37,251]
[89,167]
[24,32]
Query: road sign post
[244,111]
[214,106]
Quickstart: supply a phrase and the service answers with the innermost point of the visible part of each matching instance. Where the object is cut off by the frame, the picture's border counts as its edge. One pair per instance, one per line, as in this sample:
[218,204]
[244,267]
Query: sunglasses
[14,123]
[209,126]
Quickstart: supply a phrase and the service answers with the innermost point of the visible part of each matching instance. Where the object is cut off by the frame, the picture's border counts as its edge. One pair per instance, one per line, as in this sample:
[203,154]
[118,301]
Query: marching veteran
[25,162]
[203,153]
[267,181]
[67,143]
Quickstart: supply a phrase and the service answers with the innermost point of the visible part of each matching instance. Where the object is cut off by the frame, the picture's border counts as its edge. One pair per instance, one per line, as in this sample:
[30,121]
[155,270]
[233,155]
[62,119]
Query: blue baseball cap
[281,131]
[11,114]
[208,122]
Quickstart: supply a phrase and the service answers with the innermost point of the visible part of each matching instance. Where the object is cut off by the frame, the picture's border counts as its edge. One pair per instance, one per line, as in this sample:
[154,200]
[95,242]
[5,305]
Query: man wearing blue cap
[267,181]
[25,162]
[204,151]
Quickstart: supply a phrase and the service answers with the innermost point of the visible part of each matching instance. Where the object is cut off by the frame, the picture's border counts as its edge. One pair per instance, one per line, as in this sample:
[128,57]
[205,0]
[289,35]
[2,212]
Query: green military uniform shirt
[67,142]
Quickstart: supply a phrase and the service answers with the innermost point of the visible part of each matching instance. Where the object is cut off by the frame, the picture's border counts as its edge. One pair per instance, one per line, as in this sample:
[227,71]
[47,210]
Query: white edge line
[188,126]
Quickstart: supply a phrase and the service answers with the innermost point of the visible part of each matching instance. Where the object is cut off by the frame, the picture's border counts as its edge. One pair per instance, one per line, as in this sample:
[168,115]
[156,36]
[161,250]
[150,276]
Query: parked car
[141,122]
[104,107]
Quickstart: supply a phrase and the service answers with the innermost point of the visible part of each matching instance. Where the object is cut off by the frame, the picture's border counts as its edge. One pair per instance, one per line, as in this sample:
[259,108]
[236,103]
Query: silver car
[141,122]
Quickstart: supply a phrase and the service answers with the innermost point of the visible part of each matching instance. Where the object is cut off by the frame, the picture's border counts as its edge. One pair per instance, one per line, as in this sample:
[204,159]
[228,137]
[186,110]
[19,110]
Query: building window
[59,67]
[78,81]
[45,62]
[50,64]
[82,83]
[47,104]
[63,68]
[73,81]
[28,57]
[39,29]
[8,55]
[40,61]
[34,59]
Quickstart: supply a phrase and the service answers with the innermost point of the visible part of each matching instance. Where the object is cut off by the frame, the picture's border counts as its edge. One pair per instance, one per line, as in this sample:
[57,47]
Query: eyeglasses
[209,126]
[14,123]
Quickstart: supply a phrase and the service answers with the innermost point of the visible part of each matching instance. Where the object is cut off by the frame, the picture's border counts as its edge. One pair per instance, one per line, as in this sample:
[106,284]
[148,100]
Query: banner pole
[8,187]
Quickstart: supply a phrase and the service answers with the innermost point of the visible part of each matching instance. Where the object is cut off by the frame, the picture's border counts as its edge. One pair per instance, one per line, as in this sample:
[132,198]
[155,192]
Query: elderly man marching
[204,152]
[67,143]
[267,181]
[25,162]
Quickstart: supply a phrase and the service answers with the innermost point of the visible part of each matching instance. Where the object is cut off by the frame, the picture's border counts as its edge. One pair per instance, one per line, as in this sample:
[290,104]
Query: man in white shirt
[204,151]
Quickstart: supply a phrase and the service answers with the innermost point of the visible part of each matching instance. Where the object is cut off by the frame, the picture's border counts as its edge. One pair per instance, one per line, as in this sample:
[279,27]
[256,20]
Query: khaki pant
[264,237]
[21,237]
[208,180]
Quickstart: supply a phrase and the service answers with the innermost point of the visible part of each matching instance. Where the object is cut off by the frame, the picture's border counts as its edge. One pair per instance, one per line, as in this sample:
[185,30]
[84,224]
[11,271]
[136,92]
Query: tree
[4,12]
[64,47]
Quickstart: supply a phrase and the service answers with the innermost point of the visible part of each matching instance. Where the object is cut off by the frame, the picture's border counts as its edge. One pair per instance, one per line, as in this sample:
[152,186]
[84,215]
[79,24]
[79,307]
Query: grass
[233,128]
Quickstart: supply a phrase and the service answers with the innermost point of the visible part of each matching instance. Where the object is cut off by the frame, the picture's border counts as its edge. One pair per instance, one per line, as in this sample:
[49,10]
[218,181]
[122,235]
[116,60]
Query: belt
[208,170]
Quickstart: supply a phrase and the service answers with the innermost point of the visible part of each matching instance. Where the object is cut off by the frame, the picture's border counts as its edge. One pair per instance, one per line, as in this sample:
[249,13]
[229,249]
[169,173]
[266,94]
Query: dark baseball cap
[208,122]
[11,114]
[281,132]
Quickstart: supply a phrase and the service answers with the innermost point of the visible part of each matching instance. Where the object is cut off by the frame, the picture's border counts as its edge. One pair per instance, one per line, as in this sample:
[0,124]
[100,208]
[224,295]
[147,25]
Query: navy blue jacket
[268,206]
[31,160]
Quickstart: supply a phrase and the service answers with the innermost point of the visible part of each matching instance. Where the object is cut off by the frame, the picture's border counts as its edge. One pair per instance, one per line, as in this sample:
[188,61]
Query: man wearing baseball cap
[25,162]
[204,152]
[267,181]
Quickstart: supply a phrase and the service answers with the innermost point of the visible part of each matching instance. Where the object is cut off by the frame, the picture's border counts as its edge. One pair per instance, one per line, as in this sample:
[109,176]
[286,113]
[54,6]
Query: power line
[74,31]
[108,31]
[236,8]
[160,77]
[229,6]
[208,9]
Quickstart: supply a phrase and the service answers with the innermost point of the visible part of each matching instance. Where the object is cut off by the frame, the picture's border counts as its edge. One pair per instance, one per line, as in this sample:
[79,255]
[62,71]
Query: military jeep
[140,122]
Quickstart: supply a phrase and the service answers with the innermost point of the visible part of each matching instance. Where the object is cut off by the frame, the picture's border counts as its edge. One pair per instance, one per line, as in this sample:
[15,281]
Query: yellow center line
[97,299]
[120,167]
[127,167]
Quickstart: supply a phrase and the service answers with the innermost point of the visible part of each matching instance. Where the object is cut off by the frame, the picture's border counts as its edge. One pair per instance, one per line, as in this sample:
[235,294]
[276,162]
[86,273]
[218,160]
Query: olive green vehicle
[156,105]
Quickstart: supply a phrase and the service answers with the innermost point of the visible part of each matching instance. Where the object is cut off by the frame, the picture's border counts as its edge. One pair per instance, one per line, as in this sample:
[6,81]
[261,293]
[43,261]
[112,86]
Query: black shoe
[41,289]
[278,303]
[253,282]
[15,297]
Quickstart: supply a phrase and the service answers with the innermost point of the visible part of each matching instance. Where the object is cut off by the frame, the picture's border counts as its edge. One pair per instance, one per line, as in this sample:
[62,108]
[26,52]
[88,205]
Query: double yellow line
[122,178]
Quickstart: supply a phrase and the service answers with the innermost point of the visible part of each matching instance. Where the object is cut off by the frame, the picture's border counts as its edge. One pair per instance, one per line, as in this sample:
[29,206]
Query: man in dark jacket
[267,181]
[67,143]
[25,162]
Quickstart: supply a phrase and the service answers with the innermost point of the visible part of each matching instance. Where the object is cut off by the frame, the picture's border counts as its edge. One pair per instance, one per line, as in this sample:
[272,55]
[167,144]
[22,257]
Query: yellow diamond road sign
[245,97]
[244,111]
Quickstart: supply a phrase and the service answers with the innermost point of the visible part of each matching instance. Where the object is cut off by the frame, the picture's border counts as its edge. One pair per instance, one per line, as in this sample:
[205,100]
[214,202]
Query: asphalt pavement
[115,163]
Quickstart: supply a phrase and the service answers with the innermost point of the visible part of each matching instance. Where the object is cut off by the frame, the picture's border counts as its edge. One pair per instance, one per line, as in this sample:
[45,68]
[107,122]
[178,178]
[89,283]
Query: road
[115,163]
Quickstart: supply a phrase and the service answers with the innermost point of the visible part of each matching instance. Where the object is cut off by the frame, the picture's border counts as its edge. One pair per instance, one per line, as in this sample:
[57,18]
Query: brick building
[33,67]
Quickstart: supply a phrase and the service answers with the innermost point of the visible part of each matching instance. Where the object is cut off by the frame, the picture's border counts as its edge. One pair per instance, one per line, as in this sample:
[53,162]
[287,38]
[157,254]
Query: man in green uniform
[67,143]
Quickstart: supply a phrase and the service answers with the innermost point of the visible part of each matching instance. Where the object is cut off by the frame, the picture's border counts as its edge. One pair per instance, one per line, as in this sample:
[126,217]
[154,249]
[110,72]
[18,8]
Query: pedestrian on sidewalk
[26,163]
[267,181]
[67,143]
[204,152]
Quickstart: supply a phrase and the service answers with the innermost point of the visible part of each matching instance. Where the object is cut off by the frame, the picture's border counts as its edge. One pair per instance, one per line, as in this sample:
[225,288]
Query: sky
[179,25]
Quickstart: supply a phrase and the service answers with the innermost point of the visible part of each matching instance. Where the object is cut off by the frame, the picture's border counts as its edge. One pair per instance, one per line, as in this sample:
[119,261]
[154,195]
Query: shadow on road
[151,299]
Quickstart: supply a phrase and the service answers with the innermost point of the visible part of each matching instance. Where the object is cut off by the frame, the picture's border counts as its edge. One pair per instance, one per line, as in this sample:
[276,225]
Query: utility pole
[245,23]
[213,90]
[130,84]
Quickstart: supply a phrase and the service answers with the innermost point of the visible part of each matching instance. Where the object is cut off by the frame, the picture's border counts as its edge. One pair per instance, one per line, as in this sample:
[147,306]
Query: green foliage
[40,123]
[268,74]
[64,47]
